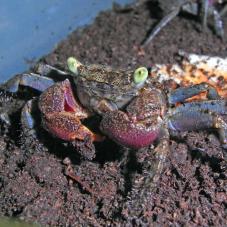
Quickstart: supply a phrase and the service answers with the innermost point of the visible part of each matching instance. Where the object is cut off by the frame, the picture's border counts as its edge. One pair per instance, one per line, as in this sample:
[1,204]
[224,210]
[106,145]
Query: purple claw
[121,128]
[140,124]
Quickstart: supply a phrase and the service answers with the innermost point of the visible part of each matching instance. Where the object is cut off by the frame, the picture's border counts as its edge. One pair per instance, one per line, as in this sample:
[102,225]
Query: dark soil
[192,189]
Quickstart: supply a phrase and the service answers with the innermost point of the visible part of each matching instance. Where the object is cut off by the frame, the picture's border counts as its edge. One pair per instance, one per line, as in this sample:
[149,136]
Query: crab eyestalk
[140,75]
[73,65]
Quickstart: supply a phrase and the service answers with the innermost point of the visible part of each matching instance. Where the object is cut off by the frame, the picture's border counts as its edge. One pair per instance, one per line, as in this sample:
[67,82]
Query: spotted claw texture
[140,124]
[62,114]
[121,128]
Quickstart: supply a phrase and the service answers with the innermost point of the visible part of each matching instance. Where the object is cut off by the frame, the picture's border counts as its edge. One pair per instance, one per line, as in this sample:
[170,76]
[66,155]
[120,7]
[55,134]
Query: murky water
[31,28]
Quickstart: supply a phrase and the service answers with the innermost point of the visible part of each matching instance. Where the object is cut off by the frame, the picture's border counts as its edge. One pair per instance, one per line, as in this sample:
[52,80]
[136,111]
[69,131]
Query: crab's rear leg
[152,169]
[37,81]
[223,11]
[208,8]
[199,116]
[165,20]
[183,93]
[27,119]
[205,7]
[156,161]
[29,80]
[32,80]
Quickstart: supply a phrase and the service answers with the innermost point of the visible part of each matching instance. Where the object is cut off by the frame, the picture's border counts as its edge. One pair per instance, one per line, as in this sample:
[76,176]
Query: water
[30,29]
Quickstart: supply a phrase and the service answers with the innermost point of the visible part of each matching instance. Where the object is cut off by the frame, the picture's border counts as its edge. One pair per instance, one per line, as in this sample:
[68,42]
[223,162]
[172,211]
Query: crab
[135,110]
[202,8]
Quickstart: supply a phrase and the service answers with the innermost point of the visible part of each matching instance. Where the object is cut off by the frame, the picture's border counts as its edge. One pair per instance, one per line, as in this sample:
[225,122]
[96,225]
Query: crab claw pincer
[62,115]
[140,124]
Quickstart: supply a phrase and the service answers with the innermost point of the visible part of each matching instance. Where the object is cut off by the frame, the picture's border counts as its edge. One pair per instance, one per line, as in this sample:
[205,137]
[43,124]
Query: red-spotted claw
[141,123]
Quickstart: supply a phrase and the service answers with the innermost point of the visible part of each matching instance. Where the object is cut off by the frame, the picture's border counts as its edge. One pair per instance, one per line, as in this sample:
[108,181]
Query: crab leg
[200,115]
[181,94]
[154,164]
[26,114]
[223,11]
[192,7]
[32,80]
[44,69]
[217,106]
[165,20]
[205,6]
[36,81]
[169,17]
[152,168]
[218,24]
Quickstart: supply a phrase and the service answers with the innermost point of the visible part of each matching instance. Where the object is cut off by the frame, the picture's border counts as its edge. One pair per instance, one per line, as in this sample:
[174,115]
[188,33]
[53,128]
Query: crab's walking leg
[26,114]
[28,120]
[36,81]
[32,80]
[193,8]
[199,116]
[44,69]
[165,20]
[208,8]
[5,101]
[205,7]
[218,24]
[169,17]
[142,190]
[187,6]
[181,94]
[223,11]
[154,165]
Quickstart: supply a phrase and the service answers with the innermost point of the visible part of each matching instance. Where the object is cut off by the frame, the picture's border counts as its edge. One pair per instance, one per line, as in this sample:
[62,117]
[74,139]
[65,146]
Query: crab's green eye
[140,75]
[73,65]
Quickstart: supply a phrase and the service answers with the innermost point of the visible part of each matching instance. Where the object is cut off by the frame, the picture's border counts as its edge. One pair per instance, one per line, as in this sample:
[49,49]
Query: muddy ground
[192,189]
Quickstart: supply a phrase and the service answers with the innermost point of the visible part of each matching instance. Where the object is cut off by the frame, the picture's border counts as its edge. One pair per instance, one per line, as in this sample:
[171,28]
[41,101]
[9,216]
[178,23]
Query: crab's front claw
[61,114]
[140,125]
[126,131]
